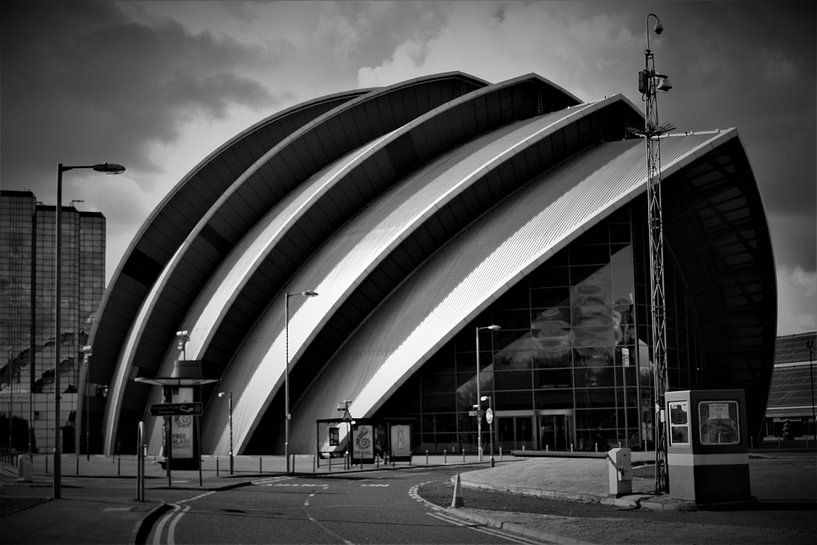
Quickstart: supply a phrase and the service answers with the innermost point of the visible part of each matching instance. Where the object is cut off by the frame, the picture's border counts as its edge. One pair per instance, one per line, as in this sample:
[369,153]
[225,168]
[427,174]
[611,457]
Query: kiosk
[707,454]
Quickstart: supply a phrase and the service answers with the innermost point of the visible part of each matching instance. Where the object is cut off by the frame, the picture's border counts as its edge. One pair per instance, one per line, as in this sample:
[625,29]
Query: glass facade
[27,254]
[570,367]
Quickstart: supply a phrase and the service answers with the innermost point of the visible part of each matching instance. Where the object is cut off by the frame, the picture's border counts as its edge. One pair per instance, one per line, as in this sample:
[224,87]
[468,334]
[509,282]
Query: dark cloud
[80,78]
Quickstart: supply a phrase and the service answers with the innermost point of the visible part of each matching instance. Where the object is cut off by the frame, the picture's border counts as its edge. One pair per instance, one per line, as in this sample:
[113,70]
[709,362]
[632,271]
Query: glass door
[554,431]
[515,432]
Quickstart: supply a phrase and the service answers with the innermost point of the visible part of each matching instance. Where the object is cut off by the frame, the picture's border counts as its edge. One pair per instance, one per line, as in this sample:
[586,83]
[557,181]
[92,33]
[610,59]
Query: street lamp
[86,351]
[107,168]
[489,416]
[182,338]
[230,419]
[492,327]
[287,416]
[810,346]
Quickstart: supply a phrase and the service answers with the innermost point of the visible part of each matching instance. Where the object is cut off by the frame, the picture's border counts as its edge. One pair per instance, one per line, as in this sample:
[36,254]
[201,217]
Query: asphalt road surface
[380,507]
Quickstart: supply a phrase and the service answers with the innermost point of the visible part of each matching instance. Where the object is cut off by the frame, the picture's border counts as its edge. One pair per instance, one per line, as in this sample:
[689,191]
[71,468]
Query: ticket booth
[707,453]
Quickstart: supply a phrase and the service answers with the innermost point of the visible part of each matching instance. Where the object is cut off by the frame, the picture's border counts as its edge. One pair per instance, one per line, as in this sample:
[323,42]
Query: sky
[157,86]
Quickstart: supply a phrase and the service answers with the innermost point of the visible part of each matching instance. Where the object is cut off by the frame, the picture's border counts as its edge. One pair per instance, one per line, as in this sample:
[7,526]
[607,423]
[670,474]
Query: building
[790,411]
[27,257]
[421,213]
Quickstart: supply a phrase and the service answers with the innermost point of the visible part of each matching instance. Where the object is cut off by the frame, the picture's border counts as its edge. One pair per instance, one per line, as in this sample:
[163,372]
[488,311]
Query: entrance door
[554,431]
[515,433]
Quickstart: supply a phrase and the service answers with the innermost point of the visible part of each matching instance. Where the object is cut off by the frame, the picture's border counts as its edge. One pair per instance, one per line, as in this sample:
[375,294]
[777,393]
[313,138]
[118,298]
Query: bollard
[330,462]
[456,501]
[571,447]
[77,465]
[463,455]
[500,454]
[547,447]
[119,466]
[445,457]
[619,444]
[260,464]
[596,446]
[216,466]
[293,463]
[523,448]
[46,465]
[426,456]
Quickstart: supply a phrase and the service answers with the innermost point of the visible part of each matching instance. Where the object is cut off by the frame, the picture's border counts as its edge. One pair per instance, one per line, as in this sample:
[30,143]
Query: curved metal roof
[410,209]
[472,271]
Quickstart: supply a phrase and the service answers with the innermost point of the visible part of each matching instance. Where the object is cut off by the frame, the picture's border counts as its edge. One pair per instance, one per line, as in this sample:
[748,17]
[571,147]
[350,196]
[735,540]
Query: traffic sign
[175,409]
[489,415]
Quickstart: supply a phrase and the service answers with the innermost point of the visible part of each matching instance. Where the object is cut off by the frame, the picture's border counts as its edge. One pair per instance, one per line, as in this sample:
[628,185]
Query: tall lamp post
[107,168]
[86,351]
[229,395]
[287,416]
[810,346]
[478,405]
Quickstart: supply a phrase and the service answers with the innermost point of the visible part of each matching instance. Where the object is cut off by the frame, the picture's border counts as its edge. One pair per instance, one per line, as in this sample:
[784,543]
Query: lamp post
[107,168]
[86,351]
[489,416]
[478,406]
[810,346]
[230,419]
[287,416]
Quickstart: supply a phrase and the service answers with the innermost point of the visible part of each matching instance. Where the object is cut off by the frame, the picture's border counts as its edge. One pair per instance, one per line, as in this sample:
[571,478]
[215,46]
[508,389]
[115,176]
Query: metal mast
[649,82]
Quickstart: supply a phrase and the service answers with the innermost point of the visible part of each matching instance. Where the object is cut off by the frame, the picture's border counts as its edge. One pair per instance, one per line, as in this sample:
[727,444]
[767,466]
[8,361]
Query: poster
[363,442]
[182,441]
[400,440]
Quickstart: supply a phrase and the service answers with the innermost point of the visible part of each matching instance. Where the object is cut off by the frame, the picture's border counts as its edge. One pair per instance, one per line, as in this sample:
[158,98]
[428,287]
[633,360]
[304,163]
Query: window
[719,422]
[679,422]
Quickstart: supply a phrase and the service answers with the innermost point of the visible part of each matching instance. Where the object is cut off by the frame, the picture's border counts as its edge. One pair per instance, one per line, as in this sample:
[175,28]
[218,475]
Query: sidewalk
[653,519]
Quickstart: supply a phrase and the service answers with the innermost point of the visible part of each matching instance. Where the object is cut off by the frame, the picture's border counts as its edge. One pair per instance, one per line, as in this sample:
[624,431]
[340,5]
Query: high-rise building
[27,290]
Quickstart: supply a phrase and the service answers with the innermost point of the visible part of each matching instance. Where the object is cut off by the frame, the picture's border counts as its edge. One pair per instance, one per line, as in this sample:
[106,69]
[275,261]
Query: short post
[463,455]
[217,466]
[426,456]
[500,454]
[77,465]
[445,457]
[119,465]
[260,464]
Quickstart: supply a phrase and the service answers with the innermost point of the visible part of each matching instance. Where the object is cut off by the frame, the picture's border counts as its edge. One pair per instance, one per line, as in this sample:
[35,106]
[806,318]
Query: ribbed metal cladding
[286,165]
[186,203]
[475,269]
[409,209]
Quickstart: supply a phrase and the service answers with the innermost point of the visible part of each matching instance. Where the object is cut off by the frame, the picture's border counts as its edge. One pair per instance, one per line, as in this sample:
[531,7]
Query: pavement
[98,495]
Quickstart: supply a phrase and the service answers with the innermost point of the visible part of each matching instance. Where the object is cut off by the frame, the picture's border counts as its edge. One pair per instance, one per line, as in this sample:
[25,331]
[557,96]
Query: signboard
[175,409]
[401,440]
[363,441]
[182,440]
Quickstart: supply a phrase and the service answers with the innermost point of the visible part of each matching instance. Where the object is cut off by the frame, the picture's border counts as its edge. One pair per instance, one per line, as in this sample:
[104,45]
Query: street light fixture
[229,395]
[107,168]
[287,416]
[478,406]
[489,416]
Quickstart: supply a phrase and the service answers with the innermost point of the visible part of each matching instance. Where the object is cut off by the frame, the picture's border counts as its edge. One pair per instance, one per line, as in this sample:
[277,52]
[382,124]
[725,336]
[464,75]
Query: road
[380,507]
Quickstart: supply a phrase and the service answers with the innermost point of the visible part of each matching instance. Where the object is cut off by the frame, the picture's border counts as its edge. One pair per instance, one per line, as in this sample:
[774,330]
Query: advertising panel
[363,442]
[401,440]
[182,442]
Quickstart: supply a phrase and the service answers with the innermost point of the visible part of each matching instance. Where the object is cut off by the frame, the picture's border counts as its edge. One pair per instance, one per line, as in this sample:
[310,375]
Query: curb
[141,529]
[515,528]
